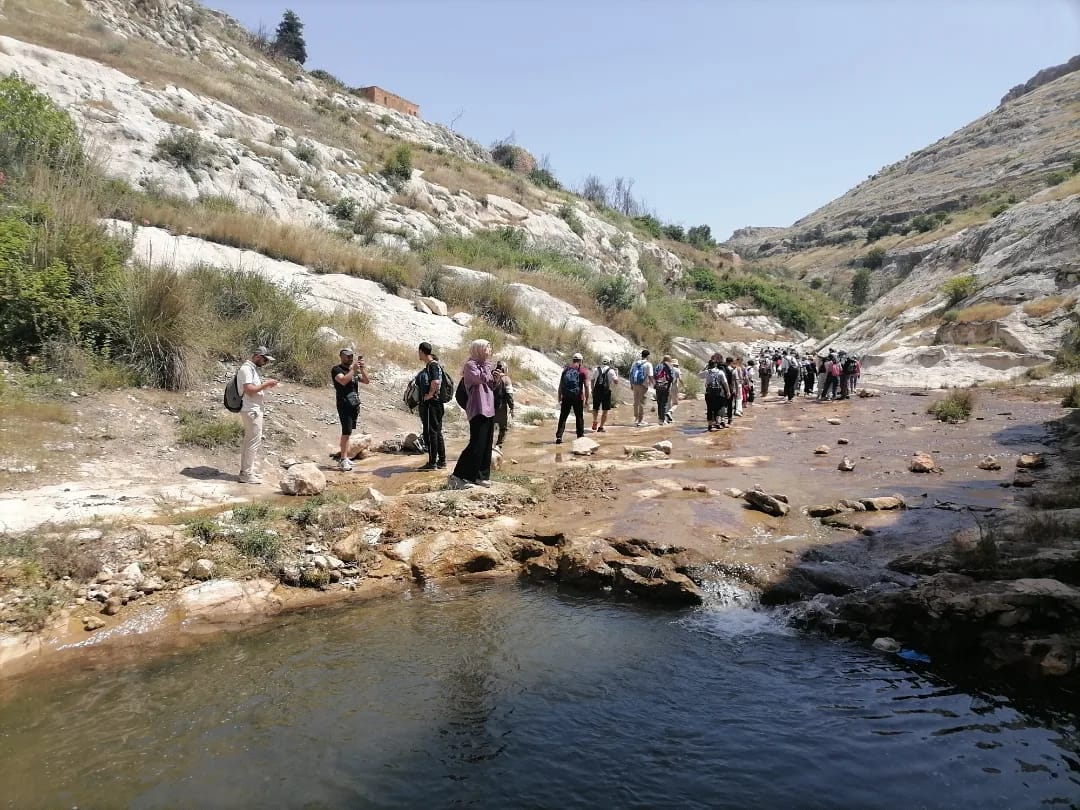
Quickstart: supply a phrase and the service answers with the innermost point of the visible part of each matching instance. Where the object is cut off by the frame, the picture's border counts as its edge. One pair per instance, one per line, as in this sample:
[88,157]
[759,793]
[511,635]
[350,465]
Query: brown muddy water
[505,695]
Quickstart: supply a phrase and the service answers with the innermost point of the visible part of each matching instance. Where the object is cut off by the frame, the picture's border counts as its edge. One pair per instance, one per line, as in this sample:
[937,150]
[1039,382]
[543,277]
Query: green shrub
[874,258]
[568,215]
[1072,397]
[614,293]
[306,153]
[185,148]
[34,130]
[545,179]
[399,166]
[345,208]
[955,407]
[534,415]
[650,224]
[690,385]
[999,209]
[674,233]
[700,236]
[816,283]
[1068,355]
[1056,178]
[203,529]
[958,288]
[328,78]
[255,512]
[879,229]
[924,223]
[259,544]
[161,330]
[203,429]
[860,287]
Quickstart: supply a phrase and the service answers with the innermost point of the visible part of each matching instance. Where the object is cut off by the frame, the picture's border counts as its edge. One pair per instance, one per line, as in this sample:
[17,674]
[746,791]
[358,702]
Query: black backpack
[849,365]
[233,400]
[461,394]
[603,383]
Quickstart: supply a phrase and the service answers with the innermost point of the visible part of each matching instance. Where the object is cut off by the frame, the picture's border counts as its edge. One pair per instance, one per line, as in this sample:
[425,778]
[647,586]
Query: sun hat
[347,351]
[262,351]
[577,356]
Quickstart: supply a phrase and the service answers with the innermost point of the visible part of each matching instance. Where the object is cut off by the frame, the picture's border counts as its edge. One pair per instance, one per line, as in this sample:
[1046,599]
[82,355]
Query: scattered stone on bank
[824,510]
[886,644]
[735,492]
[922,462]
[373,495]
[868,392]
[584,446]
[303,479]
[846,465]
[433,305]
[832,420]
[821,450]
[883,503]
[202,569]
[770,504]
[1023,479]
[989,463]
[1031,461]
[842,441]
[462,318]
[113,605]
[359,446]
[640,453]
[663,446]
[92,623]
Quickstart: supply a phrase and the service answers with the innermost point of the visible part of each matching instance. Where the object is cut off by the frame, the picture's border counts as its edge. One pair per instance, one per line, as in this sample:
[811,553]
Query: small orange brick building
[379,96]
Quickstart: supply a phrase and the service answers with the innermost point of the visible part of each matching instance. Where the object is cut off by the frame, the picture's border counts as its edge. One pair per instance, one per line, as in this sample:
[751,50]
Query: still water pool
[508,696]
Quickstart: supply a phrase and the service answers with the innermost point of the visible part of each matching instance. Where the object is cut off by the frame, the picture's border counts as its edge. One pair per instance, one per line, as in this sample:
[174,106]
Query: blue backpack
[637,373]
[570,384]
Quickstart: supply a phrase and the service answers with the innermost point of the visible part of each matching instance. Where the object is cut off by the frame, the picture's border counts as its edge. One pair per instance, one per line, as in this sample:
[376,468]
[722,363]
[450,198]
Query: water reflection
[507,697]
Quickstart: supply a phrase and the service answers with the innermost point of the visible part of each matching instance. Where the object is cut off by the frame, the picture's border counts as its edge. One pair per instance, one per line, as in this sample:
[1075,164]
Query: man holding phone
[346,376]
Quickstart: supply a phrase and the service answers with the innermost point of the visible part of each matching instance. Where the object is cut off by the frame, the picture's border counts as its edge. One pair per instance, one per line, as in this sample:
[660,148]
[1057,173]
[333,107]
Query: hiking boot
[601,430]
[440,465]
[558,440]
[345,465]
[483,482]
[249,479]
[429,467]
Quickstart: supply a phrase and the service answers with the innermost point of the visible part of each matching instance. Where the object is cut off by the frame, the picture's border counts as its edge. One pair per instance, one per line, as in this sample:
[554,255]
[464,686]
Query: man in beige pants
[252,388]
[641,379]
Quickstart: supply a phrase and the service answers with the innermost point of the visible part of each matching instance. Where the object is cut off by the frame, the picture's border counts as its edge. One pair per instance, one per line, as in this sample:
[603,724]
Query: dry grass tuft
[979,313]
[175,117]
[1041,307]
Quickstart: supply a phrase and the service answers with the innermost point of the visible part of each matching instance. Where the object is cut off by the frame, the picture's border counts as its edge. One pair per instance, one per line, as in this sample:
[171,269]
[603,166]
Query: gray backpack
[233,399]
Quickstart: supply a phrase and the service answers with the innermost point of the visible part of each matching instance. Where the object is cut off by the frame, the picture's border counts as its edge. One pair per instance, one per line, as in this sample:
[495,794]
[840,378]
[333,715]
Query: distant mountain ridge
[1044,76]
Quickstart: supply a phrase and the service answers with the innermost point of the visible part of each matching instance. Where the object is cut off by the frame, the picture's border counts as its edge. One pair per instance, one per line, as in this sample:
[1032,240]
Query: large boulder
[359,445]
[584,446]
[226,600]
[303,479]
[923,463]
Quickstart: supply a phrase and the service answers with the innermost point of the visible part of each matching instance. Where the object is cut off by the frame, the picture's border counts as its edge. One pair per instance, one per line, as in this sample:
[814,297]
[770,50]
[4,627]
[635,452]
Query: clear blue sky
[726,113]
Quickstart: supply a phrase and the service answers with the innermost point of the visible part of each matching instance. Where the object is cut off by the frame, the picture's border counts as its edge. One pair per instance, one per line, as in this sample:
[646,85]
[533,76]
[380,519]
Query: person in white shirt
[252,386]
[641,380]
[604,380]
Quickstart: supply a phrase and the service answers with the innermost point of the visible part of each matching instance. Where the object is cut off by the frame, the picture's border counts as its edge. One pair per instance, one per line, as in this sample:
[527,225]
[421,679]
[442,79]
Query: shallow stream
[511,696]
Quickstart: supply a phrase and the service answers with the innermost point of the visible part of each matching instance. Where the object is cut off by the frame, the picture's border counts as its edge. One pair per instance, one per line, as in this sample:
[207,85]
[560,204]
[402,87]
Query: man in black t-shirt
[429,381]
[573,394]
[346,375]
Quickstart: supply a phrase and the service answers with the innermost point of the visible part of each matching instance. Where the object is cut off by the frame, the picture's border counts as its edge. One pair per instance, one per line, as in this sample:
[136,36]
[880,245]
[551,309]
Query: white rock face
[1021,256]
[253,159]
[226,600]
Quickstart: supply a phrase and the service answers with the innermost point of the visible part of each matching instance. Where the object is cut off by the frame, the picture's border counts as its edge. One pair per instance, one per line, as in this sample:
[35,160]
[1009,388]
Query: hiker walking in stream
[504,401]
[251,388]
[604,380]
[429,384]
[663,379]
[478,379]
[737,386]
[809,372]
[676,389]
[346,375]
[789,367]
[732,378]
[717,392]
[641,379]
[765,372]
[573,394]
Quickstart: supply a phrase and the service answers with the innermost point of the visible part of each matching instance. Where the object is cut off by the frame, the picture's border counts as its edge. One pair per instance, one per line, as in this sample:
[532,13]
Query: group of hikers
[486,394]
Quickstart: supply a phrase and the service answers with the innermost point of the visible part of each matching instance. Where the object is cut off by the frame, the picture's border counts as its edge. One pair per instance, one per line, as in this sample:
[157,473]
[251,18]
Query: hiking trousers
[714,407]
[662,396]
[639,389]
[791,379]
[765,386]
[577,405]
[249,449]
[845,386]
[431,419]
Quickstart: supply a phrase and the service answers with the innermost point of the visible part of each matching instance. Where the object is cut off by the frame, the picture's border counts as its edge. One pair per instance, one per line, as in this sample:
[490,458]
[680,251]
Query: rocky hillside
[179,102]
[964,256]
